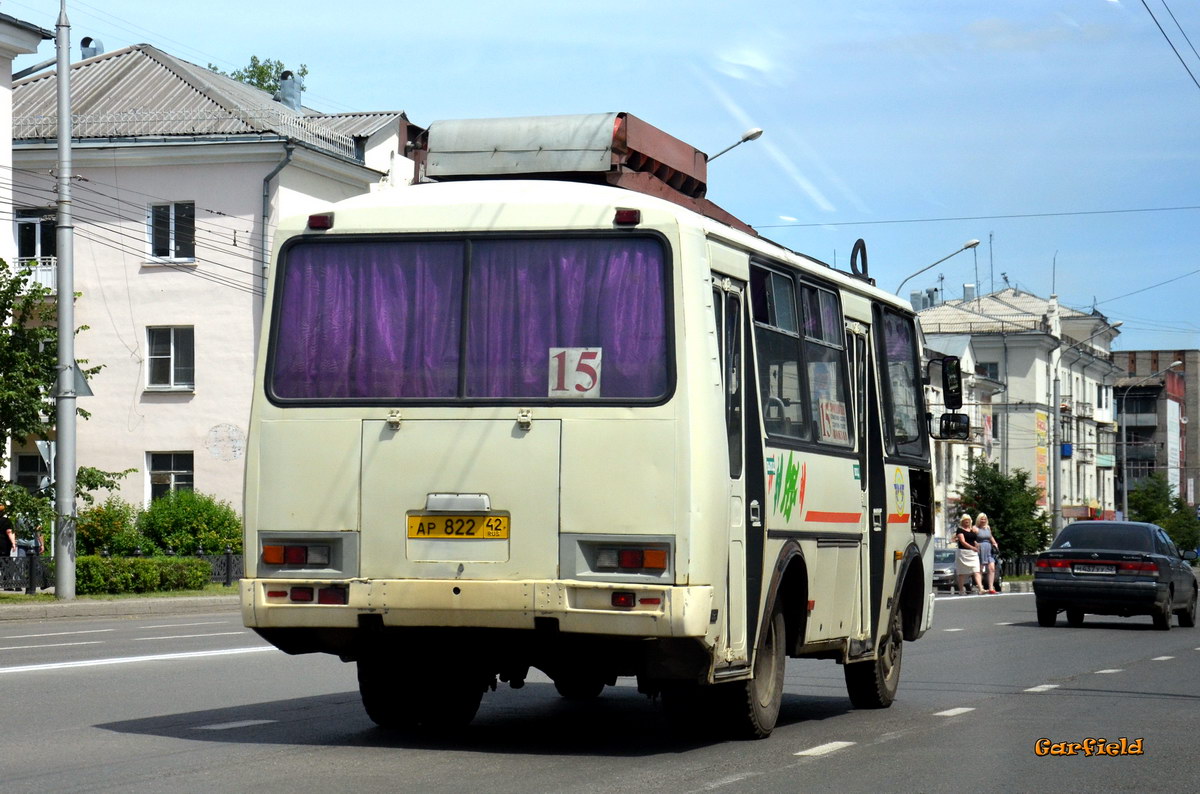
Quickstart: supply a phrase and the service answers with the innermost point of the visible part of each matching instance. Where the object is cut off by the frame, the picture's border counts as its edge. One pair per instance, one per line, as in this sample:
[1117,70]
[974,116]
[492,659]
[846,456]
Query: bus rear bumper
[580,607]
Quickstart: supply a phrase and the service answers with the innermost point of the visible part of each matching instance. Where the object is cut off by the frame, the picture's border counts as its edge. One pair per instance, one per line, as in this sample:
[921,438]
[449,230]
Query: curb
[86,608]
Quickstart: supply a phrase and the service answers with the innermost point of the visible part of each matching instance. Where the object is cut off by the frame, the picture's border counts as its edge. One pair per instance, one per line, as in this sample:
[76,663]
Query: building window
[170,471]
[988,369]
[32,472]
[172,359]
[173,230]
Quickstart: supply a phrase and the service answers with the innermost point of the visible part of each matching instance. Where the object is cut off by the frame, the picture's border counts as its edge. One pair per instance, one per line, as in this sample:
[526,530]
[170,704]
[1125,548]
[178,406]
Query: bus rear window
[566,318]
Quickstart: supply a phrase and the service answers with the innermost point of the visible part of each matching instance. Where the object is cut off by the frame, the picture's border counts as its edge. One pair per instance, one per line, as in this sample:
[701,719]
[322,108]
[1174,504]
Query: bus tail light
[302,594]
[631,558]
[309,555]
[621,598]
[332,595]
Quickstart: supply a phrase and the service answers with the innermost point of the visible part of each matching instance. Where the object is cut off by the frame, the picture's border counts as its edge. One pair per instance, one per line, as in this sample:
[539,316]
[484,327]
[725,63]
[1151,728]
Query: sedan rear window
[1116,538]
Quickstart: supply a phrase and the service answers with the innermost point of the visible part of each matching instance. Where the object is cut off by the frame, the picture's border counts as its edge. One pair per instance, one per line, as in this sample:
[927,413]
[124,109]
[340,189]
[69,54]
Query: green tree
[189,522]
[28,374]
[1011,503]
[1154,501]
[262,74]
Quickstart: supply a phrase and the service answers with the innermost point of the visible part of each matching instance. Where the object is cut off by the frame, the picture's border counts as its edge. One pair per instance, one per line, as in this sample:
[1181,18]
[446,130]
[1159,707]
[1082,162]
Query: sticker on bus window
[834,428]
[575,372]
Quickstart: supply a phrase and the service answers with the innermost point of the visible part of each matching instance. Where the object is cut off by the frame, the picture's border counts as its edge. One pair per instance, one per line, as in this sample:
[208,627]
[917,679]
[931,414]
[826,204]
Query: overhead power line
[975,217]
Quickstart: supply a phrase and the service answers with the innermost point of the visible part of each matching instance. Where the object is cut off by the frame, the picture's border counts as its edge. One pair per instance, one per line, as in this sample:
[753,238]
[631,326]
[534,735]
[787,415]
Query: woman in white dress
[967,559]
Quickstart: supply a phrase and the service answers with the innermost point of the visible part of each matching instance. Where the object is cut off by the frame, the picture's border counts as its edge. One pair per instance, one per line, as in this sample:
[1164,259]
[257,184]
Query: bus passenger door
[728,304]
[870,469]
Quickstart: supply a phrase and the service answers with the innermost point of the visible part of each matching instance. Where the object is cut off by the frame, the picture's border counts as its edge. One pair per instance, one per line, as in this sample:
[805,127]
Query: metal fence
[30,574]
[1018,566]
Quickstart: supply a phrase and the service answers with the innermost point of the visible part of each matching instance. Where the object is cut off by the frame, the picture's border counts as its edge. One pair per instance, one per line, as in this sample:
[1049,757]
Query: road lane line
[190,636]
[1005,623]
[1114,670]
[51,645]
[1162,658]
[225,726]
[953,712]
[1042,688]
[181,625]
[951,629]
[55,634]
[31,668]
[825,749]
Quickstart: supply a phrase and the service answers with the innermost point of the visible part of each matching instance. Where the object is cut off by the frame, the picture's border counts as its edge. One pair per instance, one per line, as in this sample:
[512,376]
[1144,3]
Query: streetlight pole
[966,245]
[751,134]
[1124,435]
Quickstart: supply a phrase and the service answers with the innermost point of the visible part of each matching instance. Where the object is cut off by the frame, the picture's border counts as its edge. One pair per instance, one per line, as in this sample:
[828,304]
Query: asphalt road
[196,702]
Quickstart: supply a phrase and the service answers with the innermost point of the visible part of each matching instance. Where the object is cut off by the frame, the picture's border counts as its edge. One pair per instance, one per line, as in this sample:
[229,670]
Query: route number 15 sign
[575,372]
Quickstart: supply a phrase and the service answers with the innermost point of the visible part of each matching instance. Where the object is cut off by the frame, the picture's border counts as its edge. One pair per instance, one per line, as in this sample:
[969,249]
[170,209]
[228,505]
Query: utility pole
[64,464]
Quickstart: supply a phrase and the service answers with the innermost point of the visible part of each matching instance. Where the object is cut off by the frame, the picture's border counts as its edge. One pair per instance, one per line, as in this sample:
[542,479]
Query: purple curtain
[382,319]
[370,320]
[528,296]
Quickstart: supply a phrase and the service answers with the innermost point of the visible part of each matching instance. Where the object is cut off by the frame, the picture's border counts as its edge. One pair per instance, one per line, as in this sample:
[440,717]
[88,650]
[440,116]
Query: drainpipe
[266,211]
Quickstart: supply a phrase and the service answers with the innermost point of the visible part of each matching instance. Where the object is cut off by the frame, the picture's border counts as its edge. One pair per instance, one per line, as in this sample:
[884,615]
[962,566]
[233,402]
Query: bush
[113,575]
[191,523]
[111,524]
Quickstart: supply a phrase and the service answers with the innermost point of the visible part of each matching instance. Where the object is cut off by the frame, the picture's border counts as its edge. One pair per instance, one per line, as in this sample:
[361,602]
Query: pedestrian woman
[8,540]
[987,551]
[967,559]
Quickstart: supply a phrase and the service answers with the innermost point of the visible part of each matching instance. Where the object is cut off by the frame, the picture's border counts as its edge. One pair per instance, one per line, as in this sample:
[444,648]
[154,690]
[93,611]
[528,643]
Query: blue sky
[1061,134]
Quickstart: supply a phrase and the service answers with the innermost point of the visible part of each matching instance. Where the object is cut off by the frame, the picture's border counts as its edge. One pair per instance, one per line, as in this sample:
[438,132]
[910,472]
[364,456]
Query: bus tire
[397,700]
[872,684]
[579,687]
[754,705]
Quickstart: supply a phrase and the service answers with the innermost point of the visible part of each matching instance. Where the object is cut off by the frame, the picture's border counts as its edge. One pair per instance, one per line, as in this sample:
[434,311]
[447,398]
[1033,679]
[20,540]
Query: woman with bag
[987,550]
[967,559]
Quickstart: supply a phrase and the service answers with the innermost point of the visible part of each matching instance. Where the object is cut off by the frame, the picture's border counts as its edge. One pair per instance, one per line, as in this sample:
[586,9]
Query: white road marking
[51,645]
[179,625]
[225,726]
[190,636]
[1042,688]
[825,749]
[1162,658]
[1114,670]
[951,629]
[31,668]
[953,712]
[1005,623]
[55,634]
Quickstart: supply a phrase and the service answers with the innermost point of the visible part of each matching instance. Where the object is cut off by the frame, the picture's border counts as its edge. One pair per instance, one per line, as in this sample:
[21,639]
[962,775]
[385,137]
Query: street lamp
[966,245]
[1125,444]
[751,134]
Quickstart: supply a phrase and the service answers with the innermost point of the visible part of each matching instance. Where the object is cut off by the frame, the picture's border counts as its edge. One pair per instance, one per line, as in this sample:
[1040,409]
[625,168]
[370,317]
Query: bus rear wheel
[398,699]
[753,706]
[873,684]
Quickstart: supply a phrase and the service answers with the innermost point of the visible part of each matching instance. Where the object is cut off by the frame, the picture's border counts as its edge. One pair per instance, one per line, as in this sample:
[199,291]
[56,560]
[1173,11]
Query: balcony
[1085,410]
[44,268]
[1085,455]
[1138,420]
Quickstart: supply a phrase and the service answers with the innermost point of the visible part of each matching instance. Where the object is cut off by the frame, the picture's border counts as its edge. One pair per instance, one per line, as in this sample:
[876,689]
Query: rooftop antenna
[1054,274]
[1005,277]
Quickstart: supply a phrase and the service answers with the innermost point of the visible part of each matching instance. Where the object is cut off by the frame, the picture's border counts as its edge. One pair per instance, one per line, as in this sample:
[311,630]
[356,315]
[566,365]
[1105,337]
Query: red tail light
[623,599]
[1053,564]
[1148,568]
[304,594]
[332,595]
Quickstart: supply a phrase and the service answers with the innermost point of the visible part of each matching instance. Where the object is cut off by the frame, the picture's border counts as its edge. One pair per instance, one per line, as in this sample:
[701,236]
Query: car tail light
[1055,564]
[1148,568]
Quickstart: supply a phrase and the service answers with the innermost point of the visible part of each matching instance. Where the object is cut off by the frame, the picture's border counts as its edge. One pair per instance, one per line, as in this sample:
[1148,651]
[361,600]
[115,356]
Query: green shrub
[113,575]
[108,525]
[189,523]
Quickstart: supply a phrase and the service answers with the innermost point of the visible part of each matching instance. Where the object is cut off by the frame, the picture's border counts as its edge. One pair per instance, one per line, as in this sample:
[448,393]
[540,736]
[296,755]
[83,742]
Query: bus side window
[825,359]
[904,405]
[777,335]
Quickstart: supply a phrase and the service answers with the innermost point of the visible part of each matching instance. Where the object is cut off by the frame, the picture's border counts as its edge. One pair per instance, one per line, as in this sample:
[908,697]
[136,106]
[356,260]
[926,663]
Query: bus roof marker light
[627,217]
[320,221]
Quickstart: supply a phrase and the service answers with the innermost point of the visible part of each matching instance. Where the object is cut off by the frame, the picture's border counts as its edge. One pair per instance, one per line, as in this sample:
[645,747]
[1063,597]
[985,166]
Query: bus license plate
[458,527]
[1107,569]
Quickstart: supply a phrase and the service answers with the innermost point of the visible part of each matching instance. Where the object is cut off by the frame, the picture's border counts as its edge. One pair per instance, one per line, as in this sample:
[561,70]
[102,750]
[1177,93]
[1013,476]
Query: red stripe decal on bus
[833,518]
[896,518]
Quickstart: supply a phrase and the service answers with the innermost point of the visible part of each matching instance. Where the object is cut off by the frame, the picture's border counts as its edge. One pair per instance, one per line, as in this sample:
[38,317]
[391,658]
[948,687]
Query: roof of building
[27,26]
[1007,311]
[141,92]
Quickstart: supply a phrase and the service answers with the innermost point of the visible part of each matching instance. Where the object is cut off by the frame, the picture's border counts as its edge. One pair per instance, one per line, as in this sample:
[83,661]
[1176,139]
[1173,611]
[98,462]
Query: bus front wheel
[873,684]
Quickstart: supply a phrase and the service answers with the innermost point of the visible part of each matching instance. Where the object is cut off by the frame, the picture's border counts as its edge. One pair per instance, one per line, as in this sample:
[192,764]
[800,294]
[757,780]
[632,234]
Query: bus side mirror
[952,391]
[955,427]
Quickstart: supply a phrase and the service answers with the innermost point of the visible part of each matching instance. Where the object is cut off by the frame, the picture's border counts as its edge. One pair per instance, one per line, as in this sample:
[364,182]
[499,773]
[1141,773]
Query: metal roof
[359,125]
[141,91]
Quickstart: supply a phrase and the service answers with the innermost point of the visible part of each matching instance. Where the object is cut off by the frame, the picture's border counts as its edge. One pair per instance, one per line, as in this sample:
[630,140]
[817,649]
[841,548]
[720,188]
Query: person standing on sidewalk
[987,551]
[8,540]
[966,561]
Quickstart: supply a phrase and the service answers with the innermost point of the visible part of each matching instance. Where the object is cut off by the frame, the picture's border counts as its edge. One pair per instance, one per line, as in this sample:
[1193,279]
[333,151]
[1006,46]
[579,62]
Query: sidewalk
[87,607]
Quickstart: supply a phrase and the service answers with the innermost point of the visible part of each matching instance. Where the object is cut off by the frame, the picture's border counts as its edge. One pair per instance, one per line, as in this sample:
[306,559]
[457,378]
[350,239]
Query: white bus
[548,407]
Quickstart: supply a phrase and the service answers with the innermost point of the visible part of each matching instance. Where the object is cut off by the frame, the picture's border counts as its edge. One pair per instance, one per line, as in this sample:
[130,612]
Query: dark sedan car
[1115,568]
